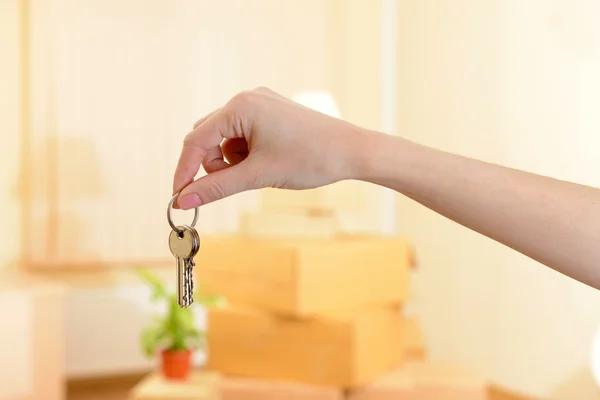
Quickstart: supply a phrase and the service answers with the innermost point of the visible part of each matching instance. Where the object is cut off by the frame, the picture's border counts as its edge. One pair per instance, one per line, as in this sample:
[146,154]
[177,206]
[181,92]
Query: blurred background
[97,97]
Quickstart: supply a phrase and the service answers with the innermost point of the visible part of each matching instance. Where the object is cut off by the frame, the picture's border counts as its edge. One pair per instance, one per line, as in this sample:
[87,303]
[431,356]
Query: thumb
[218,185]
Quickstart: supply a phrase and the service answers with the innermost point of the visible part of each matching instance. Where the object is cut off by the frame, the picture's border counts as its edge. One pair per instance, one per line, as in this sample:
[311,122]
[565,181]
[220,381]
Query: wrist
[376,157]
[348,158]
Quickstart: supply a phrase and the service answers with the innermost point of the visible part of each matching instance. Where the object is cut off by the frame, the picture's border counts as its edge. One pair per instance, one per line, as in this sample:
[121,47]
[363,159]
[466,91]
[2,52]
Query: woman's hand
[271,141]
[260,139]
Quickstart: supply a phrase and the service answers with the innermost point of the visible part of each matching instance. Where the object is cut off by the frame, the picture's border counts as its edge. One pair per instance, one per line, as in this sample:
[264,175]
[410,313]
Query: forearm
[554,222]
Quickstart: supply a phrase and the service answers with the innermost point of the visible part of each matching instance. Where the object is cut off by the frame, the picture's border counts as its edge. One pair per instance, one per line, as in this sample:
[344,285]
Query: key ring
[170,207]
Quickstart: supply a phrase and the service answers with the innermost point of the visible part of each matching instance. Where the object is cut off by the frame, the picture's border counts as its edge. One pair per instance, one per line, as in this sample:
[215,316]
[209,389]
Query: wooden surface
[425,381]
[496,392]
[199,386]
[238,388]
[118,388]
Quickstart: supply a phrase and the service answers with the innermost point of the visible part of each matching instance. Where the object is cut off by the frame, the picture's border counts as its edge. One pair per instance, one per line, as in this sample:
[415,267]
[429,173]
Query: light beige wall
[515,83]
[126,87]
[112,89]
[9,129]
[116,90]
[355,54]
[496,80]
[123,88]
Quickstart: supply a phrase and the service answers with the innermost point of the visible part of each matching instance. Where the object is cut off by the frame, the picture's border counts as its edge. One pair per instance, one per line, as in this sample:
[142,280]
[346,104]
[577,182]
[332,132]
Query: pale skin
[261,139]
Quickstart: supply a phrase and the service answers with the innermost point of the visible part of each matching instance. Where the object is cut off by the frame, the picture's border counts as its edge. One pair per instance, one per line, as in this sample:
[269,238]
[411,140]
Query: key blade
[181,283]
[189,282]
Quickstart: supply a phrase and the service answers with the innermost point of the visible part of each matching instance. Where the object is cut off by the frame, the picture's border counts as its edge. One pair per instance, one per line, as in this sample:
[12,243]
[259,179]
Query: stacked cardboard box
[311,313]
[313,213]
[322,312]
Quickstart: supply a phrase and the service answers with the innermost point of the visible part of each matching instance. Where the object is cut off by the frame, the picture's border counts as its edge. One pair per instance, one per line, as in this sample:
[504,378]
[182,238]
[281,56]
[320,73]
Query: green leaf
[159,291]
[210,301]
[177,328]
[151,339]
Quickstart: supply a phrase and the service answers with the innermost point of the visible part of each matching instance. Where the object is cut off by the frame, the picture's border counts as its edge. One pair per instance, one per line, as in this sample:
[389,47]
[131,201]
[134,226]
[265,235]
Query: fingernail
[188,201]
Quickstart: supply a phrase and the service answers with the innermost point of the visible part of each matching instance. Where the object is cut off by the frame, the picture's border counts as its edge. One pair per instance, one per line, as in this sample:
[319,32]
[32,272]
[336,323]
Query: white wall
[515,83]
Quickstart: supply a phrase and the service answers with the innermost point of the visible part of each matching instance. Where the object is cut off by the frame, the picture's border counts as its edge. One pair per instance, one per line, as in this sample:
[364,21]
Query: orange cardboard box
[344,195]
[415,343]
[307,276]
[239,388]
[346,349]
[289,224]
[425,381]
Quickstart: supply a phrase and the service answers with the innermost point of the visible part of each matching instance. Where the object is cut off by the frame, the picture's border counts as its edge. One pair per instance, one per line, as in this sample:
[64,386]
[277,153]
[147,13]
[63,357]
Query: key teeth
[190,281]
[188,298]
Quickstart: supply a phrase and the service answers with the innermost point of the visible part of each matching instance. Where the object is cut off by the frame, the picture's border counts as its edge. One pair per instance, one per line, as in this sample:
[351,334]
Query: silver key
[190,264]
[184,245]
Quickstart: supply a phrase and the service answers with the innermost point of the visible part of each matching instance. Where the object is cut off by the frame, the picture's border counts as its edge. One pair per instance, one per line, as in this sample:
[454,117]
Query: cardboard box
[425,381]
[239,388]
[305,277]
[415,343]
[290,224]
[344,195]
[201,385]
[346,349]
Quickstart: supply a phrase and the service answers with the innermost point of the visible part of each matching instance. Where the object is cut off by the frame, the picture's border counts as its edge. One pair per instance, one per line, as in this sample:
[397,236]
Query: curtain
[114,88]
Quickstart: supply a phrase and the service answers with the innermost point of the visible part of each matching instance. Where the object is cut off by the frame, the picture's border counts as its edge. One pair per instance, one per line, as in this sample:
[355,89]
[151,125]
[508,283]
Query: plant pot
[176,364]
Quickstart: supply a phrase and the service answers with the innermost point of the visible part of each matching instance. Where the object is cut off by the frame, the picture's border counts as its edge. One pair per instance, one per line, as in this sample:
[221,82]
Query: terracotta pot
[176,364]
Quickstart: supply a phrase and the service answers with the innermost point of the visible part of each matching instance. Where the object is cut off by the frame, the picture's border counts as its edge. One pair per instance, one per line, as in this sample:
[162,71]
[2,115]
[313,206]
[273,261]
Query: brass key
[184,246]
[184,243]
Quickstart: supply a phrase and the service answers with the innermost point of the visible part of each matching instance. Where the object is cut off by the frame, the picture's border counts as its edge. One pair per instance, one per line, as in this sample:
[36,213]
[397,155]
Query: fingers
[207,116]
[235,150]
[207,135]
[213,161]
[218,185]
[188,165]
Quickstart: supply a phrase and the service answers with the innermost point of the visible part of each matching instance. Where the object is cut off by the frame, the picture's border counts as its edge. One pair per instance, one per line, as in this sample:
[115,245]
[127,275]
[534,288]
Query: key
[190,264]
[184,245]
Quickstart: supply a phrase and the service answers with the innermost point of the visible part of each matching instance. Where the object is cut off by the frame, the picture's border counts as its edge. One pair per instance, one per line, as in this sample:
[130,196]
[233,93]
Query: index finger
[207,134]
[191,157]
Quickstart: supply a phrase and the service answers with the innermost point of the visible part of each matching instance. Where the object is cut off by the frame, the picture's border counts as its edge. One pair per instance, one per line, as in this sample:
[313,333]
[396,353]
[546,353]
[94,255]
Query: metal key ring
[170,207]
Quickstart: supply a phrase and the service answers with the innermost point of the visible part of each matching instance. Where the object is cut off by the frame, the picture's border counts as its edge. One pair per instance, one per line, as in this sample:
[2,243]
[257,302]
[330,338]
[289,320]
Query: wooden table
[199,386]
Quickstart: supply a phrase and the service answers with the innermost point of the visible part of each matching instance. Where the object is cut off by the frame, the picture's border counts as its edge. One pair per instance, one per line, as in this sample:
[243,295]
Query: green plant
[176,329]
